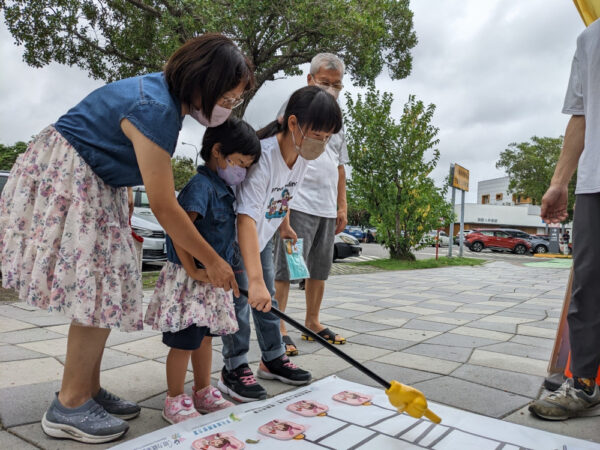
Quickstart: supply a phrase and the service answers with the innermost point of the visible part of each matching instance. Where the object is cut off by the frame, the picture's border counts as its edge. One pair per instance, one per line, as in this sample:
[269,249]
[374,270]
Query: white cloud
[496,70]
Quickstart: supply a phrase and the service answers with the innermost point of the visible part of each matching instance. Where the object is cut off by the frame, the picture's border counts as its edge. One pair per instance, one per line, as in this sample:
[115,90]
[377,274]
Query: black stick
[327,345]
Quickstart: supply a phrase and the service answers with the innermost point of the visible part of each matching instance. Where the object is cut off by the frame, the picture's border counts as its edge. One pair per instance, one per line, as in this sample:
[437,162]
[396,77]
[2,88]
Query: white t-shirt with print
[268,189]
[583,98]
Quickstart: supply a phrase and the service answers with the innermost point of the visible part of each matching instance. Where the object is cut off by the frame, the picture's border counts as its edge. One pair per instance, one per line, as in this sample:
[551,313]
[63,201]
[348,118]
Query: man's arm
[554,202]
[342,207]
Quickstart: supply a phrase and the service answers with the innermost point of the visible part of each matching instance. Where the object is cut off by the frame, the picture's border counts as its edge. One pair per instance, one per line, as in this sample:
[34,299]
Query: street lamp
[195,148]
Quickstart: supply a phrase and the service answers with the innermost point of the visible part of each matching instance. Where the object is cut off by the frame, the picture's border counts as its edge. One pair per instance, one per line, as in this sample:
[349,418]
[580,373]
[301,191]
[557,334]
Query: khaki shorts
[318,234]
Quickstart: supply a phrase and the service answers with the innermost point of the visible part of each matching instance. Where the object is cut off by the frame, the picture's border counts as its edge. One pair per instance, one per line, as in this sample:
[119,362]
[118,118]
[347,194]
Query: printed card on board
[308,408]
[353,398]
[282,429]
[218,441]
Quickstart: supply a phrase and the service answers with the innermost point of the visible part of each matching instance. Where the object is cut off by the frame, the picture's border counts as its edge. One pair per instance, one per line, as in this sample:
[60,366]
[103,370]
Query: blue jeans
[236,346]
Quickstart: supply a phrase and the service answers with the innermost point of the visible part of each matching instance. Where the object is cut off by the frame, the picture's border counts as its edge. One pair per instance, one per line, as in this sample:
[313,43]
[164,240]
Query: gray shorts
[318,234]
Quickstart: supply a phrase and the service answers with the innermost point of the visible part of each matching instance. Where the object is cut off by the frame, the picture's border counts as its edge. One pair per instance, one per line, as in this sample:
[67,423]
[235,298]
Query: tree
[390,167]
[9,154]
[114,39]
[357,213]
[183,170]
[530,166]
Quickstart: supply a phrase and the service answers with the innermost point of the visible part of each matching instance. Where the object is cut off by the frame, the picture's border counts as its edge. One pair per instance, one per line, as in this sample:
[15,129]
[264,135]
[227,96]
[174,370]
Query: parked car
[457,237]
[538,244]
[345,245]
[3,178]
[430,238]
[355,231]
[496,239]
[154,248]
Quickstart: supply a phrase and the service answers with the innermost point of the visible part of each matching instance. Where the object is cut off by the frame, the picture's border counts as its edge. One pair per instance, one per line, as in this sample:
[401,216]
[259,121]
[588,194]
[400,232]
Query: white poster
[337,414]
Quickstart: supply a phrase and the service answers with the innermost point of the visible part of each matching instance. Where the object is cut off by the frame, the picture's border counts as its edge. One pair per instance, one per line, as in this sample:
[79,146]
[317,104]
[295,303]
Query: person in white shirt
[317,214]
[263,200]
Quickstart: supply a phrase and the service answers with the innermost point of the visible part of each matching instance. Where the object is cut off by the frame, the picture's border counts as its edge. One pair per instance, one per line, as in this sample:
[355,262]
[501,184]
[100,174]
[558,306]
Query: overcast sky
[496,70]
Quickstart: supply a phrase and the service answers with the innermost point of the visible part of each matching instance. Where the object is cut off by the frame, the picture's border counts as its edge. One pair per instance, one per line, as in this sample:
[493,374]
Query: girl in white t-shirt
[311,117]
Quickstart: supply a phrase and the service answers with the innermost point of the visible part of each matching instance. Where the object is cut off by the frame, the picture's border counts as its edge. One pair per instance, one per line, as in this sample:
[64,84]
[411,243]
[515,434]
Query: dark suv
[496,239]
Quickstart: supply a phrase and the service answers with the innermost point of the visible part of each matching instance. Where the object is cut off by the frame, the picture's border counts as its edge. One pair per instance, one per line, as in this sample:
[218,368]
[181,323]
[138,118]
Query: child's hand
[220,274]
[259,297]
[287,232]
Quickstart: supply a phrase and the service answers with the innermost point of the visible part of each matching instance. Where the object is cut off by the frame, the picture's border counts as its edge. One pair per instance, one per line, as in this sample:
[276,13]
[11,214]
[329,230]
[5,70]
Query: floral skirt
[65,241]
[179,302]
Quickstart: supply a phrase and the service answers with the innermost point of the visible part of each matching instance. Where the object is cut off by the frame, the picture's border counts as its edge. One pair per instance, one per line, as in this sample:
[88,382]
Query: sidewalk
[476,338]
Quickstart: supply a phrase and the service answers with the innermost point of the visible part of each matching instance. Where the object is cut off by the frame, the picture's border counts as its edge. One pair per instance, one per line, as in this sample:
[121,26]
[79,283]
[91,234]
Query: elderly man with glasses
[317,213]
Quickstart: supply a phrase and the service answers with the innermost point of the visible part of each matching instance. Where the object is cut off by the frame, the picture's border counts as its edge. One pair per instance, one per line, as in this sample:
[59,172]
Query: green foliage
[390,166]
[114,39]
[9,154]
[530,166]
[357,212]
[183,170]
[430,263]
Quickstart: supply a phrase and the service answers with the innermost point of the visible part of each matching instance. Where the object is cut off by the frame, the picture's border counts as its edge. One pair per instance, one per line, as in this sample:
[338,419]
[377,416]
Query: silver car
[144,223]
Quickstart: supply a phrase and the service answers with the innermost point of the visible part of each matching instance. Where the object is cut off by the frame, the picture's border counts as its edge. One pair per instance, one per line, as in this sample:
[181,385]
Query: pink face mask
[219,115]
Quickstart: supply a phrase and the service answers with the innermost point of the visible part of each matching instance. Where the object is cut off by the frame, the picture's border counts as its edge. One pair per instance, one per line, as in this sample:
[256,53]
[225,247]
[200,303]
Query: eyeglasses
[231,102]
[325,140]
[325,84]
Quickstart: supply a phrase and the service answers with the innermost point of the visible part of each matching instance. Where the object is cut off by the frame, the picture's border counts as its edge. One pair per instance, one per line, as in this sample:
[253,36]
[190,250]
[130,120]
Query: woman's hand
[259,297]
[220,274]
[201,275]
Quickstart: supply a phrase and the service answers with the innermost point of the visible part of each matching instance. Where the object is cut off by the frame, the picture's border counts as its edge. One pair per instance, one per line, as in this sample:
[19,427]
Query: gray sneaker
[123,409]
[566,402]
[88,423]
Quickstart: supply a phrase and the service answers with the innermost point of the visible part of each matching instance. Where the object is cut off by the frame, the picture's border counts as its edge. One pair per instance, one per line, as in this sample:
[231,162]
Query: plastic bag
[295,260]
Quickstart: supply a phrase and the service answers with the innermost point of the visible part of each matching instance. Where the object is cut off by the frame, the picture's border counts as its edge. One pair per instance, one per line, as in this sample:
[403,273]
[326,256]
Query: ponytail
[270,129]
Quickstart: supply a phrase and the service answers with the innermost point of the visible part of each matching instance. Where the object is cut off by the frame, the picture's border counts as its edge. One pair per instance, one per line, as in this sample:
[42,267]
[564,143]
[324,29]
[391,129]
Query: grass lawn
[149,279]
[431,263]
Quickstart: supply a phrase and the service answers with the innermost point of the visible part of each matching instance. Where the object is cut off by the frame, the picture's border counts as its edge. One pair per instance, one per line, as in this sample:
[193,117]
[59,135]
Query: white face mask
[219,115]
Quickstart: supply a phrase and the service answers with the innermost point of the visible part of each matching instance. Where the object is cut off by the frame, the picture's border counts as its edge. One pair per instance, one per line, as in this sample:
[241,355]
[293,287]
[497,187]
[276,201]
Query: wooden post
[560,352]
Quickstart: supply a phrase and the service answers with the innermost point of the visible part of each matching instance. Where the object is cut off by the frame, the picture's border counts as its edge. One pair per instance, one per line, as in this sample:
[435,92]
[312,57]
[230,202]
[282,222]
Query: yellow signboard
[460,178]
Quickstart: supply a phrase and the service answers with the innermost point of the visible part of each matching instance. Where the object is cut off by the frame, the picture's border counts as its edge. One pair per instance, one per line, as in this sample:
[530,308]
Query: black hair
[234,136]
[207,66]
[314,108]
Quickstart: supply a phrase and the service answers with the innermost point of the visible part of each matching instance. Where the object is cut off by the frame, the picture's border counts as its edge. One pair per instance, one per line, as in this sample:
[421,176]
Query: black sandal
[288,341]
[328,335]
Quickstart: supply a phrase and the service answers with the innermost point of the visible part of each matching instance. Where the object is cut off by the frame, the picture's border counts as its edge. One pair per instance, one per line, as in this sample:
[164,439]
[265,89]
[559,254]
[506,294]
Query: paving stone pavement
[476,338]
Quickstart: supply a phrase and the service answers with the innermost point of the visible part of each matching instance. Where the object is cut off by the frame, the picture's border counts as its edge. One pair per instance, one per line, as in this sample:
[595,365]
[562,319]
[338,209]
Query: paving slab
[52,347]
[340,312]
[13,353]
[494,326]
[460,340]
[471,397]
[10,441]
[359,352]
[320,366]
[419,362]
[482,333]
[505,380]
[417,324]
[515,363]
[360,326]
[451,353]
[388,372]
[120,337]
[39,370]
[9,324]
[529,330]
[149,348]
[28,335]
[407,334]
[381,342]
[27,403]
[513,348]
[535,341]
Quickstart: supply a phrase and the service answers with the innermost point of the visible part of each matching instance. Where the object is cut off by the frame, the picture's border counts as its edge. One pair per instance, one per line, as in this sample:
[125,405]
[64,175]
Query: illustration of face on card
[353,398]
[218,441]
[283,430]
[308,408]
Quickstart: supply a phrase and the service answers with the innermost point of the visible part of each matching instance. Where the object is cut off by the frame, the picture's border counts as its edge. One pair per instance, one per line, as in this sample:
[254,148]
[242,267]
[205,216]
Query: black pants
[584,311]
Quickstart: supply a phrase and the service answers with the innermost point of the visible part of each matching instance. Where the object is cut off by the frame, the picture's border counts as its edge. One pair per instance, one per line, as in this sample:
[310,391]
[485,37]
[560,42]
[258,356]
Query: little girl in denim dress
[185,307]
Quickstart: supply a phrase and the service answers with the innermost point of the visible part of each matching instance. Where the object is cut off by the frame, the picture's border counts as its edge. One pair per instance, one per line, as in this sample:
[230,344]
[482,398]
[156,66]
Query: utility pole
[195,148]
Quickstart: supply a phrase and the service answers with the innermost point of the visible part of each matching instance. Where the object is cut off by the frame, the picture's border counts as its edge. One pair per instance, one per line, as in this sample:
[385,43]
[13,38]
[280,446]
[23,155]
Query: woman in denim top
[65,243]
[189,311]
